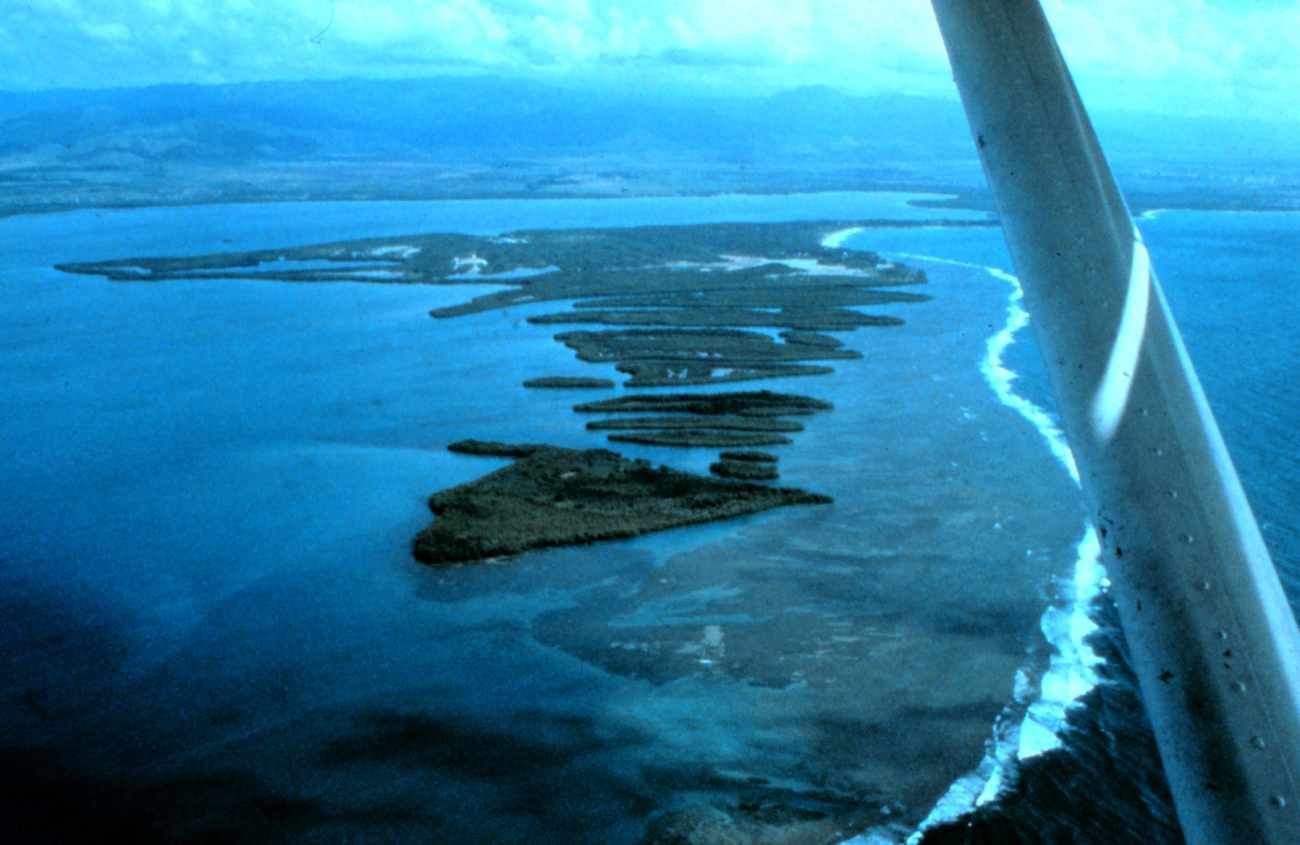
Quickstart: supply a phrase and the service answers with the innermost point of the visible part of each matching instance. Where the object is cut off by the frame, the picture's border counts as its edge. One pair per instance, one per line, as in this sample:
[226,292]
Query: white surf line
[1071,673]
[1000,378]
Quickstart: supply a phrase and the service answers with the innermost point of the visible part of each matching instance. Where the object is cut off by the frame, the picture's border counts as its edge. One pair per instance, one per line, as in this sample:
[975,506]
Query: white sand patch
[376,274]
[836,239]
[517,273]
[813,268]
[400,250]
[807,266]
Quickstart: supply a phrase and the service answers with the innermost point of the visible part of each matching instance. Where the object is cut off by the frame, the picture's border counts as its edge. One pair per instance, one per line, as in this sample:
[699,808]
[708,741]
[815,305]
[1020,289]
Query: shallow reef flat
[553,496]
[799,675]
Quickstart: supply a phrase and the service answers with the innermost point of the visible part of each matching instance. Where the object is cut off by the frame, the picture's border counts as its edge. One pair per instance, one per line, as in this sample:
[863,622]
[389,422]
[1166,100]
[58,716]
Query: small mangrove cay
[559,497]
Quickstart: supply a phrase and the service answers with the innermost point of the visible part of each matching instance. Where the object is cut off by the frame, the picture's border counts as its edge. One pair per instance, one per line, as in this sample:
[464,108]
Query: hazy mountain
[492,115]
[166,143]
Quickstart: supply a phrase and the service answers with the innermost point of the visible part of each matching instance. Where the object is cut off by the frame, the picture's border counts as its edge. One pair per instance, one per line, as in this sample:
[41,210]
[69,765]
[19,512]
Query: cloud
[1182,55]
[106,32]
[1187,56]
[803,39]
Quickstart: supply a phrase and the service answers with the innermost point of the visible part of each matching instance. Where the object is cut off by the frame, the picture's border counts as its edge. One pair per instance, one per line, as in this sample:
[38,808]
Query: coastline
[1035,719]
[932,198]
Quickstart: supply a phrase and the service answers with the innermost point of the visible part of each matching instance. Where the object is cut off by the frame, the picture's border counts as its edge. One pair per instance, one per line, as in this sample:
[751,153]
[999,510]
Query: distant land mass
[481,137]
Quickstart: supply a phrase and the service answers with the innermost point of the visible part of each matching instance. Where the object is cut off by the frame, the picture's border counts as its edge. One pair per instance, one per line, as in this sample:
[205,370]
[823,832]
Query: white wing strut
[1213,640]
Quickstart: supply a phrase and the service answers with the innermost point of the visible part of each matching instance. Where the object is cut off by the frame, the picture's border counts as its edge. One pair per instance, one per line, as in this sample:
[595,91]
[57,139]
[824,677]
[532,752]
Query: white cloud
[106,31]
[802,40]
[1176,55]
[1183,55]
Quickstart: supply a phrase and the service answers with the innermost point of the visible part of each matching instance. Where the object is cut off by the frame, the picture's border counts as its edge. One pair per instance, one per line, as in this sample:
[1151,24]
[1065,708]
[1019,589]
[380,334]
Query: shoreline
[936,198]
[932,198]
[1038,709]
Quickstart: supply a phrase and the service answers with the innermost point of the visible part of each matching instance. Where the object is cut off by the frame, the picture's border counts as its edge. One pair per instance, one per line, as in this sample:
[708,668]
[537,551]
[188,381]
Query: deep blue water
[212,624]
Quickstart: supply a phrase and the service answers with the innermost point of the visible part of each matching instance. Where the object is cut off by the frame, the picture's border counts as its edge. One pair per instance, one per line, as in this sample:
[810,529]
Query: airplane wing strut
[1213,640]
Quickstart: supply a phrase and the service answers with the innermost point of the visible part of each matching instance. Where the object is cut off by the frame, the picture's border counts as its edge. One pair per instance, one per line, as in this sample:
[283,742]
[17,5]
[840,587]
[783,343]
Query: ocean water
[212,627]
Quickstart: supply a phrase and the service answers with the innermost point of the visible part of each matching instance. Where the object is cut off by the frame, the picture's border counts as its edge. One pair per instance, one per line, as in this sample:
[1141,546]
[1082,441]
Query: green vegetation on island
[744,470]
[730,347]
[678,357]
[697,422]
[685,306]
[753,457]
[754,403]
[685,294]
[824,341]
[712,420]
[692,374]
[700,438]
[687,300]
[574,382]
[809,319]
[558,497]
[493,448]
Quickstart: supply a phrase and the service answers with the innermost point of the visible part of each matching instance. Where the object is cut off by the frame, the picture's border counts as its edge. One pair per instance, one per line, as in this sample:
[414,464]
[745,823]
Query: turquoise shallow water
[212,621]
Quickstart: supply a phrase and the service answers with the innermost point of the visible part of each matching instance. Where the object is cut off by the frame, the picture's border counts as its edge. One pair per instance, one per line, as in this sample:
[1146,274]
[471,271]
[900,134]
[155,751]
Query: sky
[1232,58]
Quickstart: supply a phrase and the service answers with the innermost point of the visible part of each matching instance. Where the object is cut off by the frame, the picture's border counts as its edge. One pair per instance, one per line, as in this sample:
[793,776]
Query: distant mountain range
[461,136]
[483,115]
